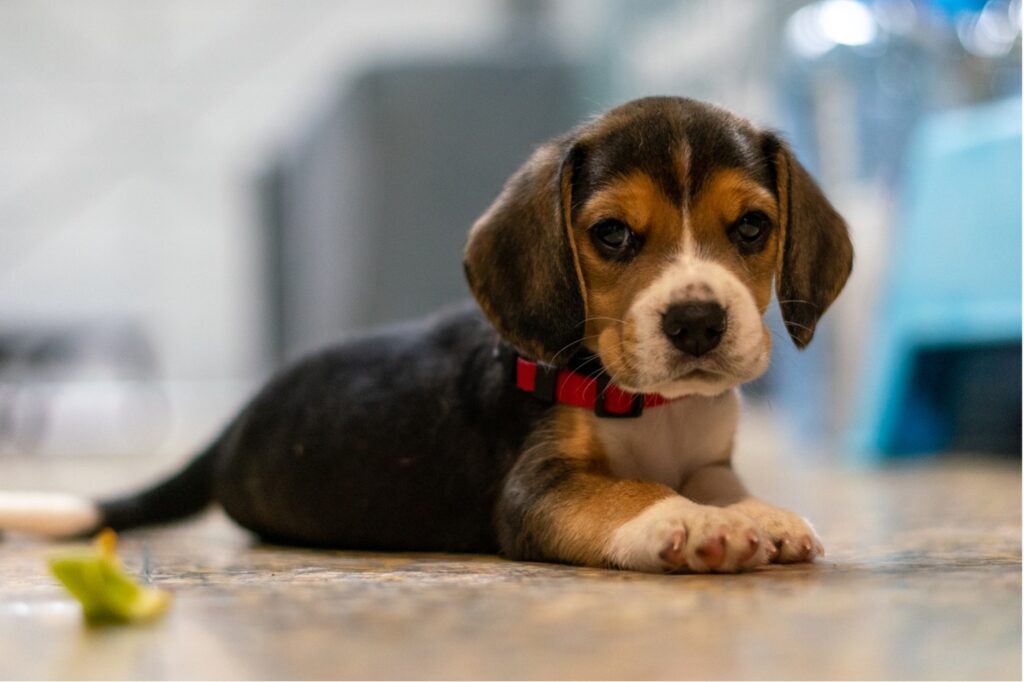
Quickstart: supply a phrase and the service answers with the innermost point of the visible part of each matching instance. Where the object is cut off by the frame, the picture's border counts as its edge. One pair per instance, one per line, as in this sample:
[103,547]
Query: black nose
[694,328]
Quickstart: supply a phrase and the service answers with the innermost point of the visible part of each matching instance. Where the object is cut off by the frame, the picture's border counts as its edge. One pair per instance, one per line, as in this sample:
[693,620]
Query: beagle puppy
[584,411]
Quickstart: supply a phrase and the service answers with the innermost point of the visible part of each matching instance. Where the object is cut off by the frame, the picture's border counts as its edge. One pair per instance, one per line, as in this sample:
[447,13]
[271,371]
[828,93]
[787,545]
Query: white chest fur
[669,442]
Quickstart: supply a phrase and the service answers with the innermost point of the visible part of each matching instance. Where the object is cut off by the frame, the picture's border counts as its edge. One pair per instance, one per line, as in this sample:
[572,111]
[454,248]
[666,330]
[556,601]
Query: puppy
[587,414]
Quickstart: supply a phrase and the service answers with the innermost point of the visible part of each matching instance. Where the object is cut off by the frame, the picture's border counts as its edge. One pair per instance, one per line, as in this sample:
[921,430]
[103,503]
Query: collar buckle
[601,409]
[545,383]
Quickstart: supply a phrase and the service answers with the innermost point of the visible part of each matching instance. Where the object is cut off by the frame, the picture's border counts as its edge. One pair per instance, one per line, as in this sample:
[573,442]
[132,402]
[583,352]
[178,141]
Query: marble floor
[922,579]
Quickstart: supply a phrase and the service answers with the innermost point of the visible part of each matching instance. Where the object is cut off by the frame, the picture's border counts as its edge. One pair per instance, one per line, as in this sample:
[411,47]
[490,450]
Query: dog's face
[651,236]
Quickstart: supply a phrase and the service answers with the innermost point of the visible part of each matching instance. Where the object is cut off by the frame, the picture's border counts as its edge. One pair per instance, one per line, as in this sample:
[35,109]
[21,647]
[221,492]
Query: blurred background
[192,193]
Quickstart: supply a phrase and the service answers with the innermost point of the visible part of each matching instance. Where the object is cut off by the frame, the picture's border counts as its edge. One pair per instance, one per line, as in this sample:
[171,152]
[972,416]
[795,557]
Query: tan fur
[782,177]
[587,522]
[727,196]
[637,201]
[611,287]
[580,518]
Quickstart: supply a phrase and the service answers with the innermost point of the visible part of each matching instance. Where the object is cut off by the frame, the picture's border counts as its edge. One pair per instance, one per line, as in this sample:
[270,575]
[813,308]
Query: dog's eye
[612,233]
[751,226]
[749,231]
[614,239]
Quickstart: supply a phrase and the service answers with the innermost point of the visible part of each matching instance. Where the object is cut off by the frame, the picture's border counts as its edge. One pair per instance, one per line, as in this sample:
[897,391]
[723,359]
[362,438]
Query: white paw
[676,534]
[792,537]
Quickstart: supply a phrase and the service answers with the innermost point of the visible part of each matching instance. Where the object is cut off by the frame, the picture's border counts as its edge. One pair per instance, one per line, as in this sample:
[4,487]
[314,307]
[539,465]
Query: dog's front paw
[676,534]
[792,537]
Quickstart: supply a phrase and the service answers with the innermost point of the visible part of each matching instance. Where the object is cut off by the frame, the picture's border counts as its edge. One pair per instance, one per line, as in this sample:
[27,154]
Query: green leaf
[107,594]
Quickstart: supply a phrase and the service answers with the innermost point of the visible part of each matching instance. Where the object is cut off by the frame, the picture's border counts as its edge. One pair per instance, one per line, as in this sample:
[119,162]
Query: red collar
[593,393]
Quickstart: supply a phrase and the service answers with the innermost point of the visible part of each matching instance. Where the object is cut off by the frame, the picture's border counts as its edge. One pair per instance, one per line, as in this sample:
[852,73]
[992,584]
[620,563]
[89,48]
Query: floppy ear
[816,255]
[521,260]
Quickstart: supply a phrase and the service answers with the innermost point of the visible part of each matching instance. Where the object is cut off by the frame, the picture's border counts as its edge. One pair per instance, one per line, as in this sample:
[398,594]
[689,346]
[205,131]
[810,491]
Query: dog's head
[650,236]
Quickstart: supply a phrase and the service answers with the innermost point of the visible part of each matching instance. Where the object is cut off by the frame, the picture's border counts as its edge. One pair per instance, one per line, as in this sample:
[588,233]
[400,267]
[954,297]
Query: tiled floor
[922,580]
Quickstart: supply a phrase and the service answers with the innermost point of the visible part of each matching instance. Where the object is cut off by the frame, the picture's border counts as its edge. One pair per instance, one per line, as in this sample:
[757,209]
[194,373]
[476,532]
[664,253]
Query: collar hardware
[545,383]
[601,402]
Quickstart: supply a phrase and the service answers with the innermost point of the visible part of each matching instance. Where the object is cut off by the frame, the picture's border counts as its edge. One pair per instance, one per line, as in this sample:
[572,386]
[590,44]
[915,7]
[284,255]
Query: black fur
[649,136]
[536,475]
[399,440]
[519,260]
[185,493]
[817,255]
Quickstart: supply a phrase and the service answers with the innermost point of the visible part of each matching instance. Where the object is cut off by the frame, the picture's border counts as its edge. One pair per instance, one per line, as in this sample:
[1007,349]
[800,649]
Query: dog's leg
[556,507]
[793,538]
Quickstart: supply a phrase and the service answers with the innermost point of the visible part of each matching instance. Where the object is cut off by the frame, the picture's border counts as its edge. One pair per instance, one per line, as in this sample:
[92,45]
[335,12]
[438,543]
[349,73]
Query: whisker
[602,317]
[797,324]
[796,300]
[570,345]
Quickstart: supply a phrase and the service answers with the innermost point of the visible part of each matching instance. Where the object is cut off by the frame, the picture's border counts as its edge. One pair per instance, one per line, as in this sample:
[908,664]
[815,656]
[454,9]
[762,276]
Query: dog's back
[395,441]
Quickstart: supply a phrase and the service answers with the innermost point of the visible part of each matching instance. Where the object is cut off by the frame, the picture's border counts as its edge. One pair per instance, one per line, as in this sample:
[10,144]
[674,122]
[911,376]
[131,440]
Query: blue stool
[955,277]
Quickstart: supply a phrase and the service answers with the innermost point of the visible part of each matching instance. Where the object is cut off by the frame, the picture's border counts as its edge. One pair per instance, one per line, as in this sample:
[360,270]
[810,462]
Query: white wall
[130,134]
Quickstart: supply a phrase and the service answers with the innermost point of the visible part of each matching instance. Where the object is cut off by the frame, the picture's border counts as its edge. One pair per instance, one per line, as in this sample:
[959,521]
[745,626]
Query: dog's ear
[521,260]
[815,254]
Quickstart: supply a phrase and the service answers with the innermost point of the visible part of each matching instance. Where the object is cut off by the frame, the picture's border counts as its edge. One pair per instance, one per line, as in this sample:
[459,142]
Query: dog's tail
[60,515]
